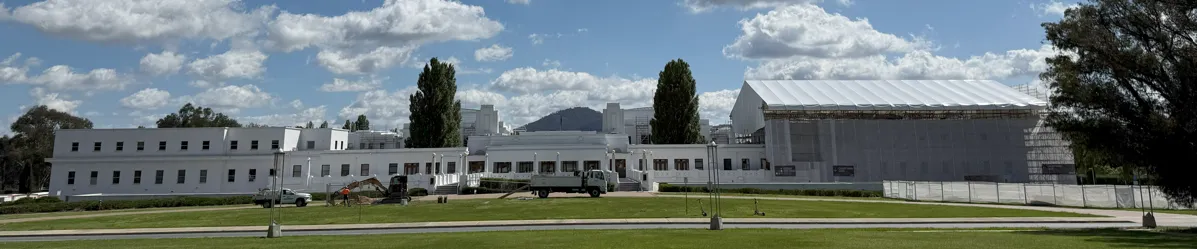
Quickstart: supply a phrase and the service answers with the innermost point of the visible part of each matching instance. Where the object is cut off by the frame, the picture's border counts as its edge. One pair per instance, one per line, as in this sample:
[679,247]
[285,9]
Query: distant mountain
[572,119]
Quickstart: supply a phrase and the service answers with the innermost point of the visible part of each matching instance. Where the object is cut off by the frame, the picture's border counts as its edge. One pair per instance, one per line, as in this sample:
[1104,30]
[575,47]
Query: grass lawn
[681,238]
[70,213]
[510,209]
[1188,212]
[779,196]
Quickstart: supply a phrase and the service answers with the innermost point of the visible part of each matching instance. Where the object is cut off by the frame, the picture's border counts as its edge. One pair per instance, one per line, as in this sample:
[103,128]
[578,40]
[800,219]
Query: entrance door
[621,166]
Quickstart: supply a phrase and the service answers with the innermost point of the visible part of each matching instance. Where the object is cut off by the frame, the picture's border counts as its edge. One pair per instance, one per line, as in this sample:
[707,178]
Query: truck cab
[593,182]
[268,198]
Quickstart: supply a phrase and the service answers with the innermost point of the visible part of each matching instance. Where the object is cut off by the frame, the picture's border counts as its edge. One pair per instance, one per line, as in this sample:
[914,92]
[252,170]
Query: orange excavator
[396,191]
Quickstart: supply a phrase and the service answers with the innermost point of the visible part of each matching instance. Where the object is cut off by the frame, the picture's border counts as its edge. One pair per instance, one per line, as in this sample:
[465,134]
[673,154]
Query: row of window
[183,145]
[180,176]
[684,164]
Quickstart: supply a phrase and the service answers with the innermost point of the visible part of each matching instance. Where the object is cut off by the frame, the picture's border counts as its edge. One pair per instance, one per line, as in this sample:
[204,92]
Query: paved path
[5,221]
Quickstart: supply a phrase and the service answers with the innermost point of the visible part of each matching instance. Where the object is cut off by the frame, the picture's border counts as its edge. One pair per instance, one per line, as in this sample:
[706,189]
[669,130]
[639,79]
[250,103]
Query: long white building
[781,132]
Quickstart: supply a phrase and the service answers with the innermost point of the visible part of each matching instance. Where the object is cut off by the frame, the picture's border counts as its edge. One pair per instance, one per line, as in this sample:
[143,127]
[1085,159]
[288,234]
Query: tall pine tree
[675,106]
[324,125]
[348,126]
[362,124]
[435,114]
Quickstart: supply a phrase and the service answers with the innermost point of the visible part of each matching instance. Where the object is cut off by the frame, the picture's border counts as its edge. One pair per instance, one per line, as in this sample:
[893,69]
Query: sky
[125,63]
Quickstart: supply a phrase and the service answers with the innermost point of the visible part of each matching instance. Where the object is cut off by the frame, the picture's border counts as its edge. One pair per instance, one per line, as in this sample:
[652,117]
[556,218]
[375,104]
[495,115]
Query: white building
[782,132]
[635,123]
[484,121]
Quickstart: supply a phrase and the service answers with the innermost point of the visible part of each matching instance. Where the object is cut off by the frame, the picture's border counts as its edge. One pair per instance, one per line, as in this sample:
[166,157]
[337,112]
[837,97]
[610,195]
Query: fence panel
[1101,196]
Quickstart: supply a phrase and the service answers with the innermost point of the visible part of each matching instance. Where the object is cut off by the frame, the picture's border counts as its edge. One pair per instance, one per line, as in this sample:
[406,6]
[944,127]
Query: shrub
[806,192]
[417,192]
[50,206]
[43,199]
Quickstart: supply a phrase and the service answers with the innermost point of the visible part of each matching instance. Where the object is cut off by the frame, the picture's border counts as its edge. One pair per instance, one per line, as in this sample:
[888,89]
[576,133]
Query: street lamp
[275,230]
[308,180]
[535,164]
[713,181]
[557,165]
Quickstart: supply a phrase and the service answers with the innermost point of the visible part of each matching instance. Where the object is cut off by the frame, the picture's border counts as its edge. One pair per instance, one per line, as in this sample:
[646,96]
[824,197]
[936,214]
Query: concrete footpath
[498,223]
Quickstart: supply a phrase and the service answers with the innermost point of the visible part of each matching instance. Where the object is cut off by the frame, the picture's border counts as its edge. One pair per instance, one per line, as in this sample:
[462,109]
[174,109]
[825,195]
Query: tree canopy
[675,106]
[1123,89]
[362,124]
[22,156]
[196,116]
[324,124]
[435,113]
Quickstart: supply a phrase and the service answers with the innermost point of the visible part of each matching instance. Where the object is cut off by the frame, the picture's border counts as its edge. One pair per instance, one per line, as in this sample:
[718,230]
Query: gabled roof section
[891,95]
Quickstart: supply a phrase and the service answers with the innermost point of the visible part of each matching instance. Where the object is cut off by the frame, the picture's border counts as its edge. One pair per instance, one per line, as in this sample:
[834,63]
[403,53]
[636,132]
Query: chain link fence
[1098,196]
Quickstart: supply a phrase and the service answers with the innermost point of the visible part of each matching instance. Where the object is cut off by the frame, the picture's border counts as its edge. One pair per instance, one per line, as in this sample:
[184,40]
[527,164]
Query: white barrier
[1100,196]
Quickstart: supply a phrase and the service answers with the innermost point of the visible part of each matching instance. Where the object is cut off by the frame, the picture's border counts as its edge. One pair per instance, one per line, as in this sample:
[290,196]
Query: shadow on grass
[1128,238]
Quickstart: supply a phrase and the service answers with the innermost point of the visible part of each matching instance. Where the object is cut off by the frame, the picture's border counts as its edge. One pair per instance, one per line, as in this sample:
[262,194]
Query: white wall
[746,114]
[130,137]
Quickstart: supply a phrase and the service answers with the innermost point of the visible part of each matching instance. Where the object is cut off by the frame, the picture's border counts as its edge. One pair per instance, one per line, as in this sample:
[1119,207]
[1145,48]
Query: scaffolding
[644,129]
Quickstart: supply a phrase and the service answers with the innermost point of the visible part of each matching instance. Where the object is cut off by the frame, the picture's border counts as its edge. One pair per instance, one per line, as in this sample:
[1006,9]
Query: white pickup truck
[268,198]
[593,182]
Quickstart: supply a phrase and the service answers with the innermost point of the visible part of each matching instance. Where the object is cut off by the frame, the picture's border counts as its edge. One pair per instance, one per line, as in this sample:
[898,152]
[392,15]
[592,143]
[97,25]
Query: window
[271,172]
[361,146]
[660,164]
[161,145]
[477,167]
[274,144]
[116,177]
[590,165]
[365,169]
[311,145]
[765,164]
[452,168]
[253,175]
[136,177]
[183,145]
[296,170]
[140,145]
[94,176]
[523,167]
[232,175]
[158,174]
[392,169]
[727,164]
[427,168]
[344,169]
[569,166]
[70,178]
[203,176]
[681,164]
[120,146]
[182,176]
[98,146]
[437,169]
[640,165]
[205,145]
[233,145]
[744,164]
[253,145]
[325,170]
[371,146]
[382,145]
[75,146]
[698,164]
[548,167]
[411,168]
[503,167]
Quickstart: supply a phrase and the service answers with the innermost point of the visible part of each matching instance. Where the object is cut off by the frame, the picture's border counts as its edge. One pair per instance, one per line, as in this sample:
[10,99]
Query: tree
[196,116]
[435,113]
[324,124]
[309,126]
[33,141]
[255,125]
[362,124]
[1123,92]
[675,106]
[348,125]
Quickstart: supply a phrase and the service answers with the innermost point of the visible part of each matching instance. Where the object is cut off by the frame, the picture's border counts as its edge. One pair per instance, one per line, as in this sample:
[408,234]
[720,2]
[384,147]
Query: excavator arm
[373,182]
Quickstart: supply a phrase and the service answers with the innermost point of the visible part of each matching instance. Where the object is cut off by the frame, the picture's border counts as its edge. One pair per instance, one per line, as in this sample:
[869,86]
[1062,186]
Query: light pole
[713,181]
[275,229]
[308,180]
[535,164]
[558,164]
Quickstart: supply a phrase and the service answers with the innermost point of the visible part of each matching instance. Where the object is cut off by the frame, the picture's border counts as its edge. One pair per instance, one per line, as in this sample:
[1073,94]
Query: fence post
[997,189]
[914,187]
[941,196]
[1025,199]
[970,191]
[1084,200]
[1055,198]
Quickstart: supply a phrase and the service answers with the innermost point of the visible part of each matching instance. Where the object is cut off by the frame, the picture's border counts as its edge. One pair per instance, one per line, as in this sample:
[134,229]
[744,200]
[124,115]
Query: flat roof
[927,95]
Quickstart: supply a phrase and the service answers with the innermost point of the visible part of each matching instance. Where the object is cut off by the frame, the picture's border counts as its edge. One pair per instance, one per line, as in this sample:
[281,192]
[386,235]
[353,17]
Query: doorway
[621,166]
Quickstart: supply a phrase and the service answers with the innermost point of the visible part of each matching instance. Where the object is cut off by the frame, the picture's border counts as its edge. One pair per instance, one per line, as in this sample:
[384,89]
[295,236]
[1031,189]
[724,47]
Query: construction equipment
[394,194]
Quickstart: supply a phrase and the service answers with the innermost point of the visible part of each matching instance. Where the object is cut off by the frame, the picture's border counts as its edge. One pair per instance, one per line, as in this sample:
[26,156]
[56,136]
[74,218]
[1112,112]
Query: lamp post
[713,181]
[557,165]
[275,230]
[535,164]
[308,180]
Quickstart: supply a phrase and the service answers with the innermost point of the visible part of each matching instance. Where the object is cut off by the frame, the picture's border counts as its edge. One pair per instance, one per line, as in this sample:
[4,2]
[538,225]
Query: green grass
[71,213]
[778,196]
[679,238]
[509,209]
[1188,212]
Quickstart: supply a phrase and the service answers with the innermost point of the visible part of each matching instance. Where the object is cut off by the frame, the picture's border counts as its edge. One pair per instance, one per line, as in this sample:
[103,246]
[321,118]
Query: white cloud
[539,38]
[62,77]
[229,65]
[54,101]
[495,52]
[339,62]
[205,84]
[807,30]
[381,106]
[524,2]
[914,65]
[316,115]
[1053,8]
[10,73]
[165,63]
[230,98]
[147,99]
[458,66]
[344,85]
[551,63]
[717,105]
[131,21]
[297,104]
[698,6]
[538,93]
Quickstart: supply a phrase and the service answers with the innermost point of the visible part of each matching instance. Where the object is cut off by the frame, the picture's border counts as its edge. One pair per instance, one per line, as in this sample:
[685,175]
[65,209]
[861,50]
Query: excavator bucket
[525,187]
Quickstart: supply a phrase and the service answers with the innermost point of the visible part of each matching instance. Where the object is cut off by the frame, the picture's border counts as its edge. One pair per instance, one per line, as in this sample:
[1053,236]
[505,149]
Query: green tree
[435,113]
[309,126]
[324,124]
[196,116]
[675,106]
[1123,91]
[32,142]
[362,124]
[348,125]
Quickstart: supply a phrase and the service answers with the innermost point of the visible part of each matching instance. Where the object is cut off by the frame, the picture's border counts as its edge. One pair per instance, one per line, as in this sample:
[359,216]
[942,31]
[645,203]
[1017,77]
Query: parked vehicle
[268,198]
[593,182]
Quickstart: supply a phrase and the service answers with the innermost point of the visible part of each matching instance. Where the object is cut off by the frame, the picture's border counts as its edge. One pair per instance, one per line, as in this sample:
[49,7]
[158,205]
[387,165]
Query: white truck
[592,182]
[268,198]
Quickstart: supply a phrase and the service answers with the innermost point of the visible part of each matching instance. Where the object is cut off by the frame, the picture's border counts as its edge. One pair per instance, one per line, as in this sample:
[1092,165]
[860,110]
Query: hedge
[46,207]
[417,192]
[488,186]
[807,192]
[369,193]
[28,200]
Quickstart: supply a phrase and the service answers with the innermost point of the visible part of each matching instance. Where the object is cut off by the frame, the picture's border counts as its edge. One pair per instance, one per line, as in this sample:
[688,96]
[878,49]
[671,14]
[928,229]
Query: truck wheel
[594,193]
[268,204]
[542,194]
[301,203]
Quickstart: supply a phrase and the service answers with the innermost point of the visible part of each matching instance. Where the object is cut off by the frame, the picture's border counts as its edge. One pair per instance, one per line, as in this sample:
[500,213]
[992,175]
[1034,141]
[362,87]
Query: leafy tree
[324,124]
[196,116]
[255,125]
[1123,92]
[348,125]
[362,124]
[435,113]
[25,152]
[309,126]
[675,106]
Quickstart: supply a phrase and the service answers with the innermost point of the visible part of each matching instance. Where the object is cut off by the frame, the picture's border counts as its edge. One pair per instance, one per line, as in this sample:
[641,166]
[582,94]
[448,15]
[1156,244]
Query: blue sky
[123,63]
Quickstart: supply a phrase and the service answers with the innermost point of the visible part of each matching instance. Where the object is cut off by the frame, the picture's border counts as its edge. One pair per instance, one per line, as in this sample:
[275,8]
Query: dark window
[427,168]
[116,177]
[271,172]
[75,146]
[253,175]
[393,169]
[183,145]
[158,174]
[70,178]
[274,144]
[204,145]
[296,170]
[411,168]
[727,164]
[203,176]
[233,145]
[477,167]
[765,164]
[120,146]
[161,145]
[136,177]
[569,166]
[452,168]
[548,167]
[98,146]
[590,165]
[681,164]
[365,169]
[361,146]
[744,164]
[698,164]
[182,176]
[660,164]
[311,145]
[502,167]
[94,176]
[253,145]
[325,171]
[344,169]
[437,168]
[371,146]
[140,145]
[232,175]
[523,167]
[640,166]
